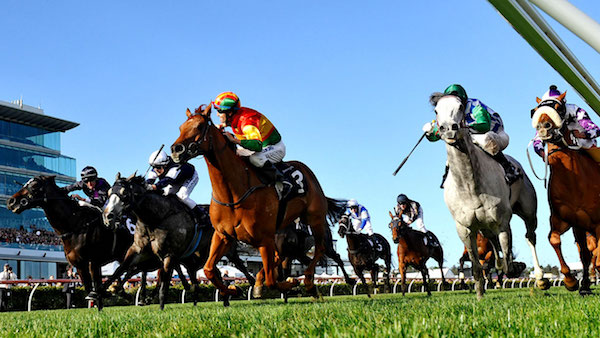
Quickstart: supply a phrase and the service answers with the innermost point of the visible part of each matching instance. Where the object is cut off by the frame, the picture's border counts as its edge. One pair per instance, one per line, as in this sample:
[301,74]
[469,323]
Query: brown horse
[573,189]
[412,251]
[487,259]
[245,209]
[592,245]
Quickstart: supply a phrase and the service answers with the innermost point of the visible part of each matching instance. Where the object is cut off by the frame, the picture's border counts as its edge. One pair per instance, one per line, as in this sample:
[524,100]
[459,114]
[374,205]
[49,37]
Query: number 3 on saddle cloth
[295,177]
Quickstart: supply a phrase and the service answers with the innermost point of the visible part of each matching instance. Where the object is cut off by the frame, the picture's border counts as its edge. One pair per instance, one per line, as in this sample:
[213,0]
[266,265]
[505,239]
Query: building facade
[30,146]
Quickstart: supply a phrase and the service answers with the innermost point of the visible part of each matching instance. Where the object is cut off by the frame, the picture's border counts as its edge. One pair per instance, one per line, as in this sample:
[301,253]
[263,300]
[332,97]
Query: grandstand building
[30,146]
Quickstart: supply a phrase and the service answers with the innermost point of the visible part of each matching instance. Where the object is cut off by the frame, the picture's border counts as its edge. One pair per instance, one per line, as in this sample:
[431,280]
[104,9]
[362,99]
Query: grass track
[532,313]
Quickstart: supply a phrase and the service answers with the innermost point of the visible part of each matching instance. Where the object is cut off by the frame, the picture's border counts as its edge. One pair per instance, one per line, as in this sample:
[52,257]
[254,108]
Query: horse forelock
[449,107]
[548,111]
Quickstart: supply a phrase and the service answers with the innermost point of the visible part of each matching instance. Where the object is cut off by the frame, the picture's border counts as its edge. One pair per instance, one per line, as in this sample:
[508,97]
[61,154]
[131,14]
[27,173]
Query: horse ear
[538,100]
[188,113]
[561,97]
[206,111]
[132,176]
[118,177]
[392,216]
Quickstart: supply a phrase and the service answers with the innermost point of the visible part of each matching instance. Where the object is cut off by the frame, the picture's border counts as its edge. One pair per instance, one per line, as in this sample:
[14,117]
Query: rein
[244,196]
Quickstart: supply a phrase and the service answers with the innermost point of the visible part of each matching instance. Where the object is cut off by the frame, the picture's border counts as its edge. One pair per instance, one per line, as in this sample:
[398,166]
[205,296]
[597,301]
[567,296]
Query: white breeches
[273,153]
[184,191]
[491,142]
[420,225]
[368,228]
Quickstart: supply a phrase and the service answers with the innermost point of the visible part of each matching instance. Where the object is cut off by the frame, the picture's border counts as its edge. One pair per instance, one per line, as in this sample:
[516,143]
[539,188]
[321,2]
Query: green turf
[523,312]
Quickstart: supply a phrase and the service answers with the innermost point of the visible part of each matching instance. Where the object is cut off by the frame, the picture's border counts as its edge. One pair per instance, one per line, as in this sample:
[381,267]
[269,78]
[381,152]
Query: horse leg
[234,258]
[318,230]
[513,269]
[586,258]
[469,239]
[558,227]
[461,271]
[182,278]
[96,273]
[219,246]
[165,279]
[541,282]
[374,276]
[267,252]
[388,272]
[330,252]
[440,260]
[86,279]
[402,269]
[425,274]
[363,280]
[129,256]
[143,286]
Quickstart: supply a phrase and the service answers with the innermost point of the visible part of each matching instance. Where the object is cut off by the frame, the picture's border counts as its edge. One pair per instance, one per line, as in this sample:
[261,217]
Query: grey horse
[479,198]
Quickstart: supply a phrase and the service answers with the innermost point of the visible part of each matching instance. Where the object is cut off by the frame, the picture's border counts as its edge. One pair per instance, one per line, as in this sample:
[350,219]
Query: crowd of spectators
[32,236]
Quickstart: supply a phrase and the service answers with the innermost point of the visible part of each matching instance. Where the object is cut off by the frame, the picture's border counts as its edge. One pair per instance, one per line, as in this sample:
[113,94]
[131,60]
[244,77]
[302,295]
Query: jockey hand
[77,197]
[231,138]
[153,186]
[428,127]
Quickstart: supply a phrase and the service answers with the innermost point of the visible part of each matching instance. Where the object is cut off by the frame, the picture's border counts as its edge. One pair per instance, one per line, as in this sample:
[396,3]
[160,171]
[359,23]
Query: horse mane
[335,210]
[435,97]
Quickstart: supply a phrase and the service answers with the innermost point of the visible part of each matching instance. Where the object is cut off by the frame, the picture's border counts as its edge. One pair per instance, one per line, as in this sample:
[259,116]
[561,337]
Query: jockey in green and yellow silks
[486,127]
[256,137]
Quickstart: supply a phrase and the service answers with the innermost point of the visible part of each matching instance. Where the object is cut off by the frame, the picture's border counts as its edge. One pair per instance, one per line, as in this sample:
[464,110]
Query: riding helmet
[458,90]
[352,203]
[226,101]
[88,173]
[402,199]
[158,158]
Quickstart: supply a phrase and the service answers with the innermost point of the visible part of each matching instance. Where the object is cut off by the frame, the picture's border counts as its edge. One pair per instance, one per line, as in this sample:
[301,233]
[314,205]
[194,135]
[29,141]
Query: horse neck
[570,169]
[151,208]
[353,241]
[229,175]
[61,211]
[467,167]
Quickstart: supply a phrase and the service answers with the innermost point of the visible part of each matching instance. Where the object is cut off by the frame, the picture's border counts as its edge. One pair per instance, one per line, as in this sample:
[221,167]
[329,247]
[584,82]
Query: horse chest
[482,209]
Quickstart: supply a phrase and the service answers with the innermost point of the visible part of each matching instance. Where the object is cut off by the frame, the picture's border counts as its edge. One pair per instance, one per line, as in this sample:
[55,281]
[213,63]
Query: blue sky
[346,84]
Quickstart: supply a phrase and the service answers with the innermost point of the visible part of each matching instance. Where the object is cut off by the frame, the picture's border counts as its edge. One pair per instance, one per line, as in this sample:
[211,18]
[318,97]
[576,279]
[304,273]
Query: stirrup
[283,189]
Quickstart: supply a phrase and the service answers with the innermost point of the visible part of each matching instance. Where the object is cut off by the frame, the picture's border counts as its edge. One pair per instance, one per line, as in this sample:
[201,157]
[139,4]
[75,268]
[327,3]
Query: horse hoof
[543,284]
[92,296]
[234,290]
[572,287]
[226,301]
[585,292]
[515,269]
[257,291]
[313,292]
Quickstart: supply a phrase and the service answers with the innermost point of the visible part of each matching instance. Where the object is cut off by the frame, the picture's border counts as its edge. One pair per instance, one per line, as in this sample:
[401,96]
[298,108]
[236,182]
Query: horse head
[193,138]
[548,118]
[121,196]
[450,114]
[33,193]
[344,223]
[397,226]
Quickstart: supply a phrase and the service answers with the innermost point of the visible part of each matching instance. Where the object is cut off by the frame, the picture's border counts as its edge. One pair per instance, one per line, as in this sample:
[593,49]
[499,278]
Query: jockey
[177,179]
[487,131]
[412,213]
[578,123]
[359,217]
[96,188]
[256,137]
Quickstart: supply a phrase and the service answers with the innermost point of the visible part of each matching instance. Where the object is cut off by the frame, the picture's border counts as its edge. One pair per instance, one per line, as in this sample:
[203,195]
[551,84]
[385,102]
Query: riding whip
[407,156]
[154,159]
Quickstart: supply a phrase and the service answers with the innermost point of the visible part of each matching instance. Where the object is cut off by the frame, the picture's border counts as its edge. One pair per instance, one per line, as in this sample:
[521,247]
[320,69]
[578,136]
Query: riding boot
[444,177]
[275,175]
[511,173]
[202,217]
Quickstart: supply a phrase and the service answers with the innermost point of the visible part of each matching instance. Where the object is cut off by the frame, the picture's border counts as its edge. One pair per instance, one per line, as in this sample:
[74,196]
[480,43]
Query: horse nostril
[177,148]
[454,126]
[10,202]
[23,202]
[442,128]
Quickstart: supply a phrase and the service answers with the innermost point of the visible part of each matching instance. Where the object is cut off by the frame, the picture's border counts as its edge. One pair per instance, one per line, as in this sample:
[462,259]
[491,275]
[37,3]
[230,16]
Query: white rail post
[183,296]
[137,296]
[396,284]
[410,284]
[217,295]
[250,292]
[504,283]
[331,288]
[31,296]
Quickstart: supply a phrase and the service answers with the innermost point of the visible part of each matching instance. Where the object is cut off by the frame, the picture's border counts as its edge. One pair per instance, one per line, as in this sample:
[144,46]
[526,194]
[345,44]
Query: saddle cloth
[295,177]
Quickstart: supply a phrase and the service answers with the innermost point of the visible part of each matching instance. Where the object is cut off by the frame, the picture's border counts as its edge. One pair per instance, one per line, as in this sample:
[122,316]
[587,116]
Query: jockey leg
[511,173]
[265,160]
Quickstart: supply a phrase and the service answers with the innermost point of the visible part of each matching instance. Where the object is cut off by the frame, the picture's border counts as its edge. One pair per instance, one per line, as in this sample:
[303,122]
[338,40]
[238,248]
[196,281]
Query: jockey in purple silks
[578,123]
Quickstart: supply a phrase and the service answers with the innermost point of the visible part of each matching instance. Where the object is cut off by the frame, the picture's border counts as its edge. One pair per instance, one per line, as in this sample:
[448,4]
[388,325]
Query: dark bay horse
[363,255]
[87,243]
[412,251]
[486,259]
[293,243]
[573,189]
[166,227]
[245,209]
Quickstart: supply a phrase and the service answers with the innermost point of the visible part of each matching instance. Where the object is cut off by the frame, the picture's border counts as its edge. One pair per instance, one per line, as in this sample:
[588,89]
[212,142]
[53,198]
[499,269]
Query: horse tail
[335,210]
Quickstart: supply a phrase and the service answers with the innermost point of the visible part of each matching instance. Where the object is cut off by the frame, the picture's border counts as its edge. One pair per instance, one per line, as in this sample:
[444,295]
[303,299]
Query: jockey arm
[176,176]
[480,119]
[591,129]
[365,221]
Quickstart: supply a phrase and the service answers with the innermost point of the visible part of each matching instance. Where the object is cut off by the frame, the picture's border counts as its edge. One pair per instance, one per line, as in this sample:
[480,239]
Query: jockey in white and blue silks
[174,179]
[359,217]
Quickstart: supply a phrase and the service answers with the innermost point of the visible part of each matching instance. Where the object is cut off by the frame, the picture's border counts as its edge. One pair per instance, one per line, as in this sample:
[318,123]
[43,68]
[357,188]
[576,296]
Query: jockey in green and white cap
[487,130]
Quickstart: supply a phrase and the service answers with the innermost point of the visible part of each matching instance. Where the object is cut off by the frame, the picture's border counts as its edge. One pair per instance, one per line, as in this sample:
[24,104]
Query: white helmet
[352,203]
[158,158]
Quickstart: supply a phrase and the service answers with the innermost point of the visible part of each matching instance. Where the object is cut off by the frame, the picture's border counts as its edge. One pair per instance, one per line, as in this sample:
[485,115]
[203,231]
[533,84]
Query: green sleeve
[254,145]
[434,135]
[482,119]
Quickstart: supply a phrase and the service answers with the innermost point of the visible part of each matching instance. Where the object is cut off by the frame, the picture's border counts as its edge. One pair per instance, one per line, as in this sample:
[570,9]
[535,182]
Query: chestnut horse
[412,251]
[573,189]
[245,209]
[486,259]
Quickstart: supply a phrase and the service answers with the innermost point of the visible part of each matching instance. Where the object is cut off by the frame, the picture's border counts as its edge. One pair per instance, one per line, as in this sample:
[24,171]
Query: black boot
[202,217]
[275,176]
[511,173]
[444,177]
